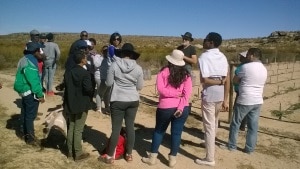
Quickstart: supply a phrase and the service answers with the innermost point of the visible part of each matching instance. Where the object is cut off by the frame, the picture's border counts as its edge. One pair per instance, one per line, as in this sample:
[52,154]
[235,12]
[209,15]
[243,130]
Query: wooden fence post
[231,93]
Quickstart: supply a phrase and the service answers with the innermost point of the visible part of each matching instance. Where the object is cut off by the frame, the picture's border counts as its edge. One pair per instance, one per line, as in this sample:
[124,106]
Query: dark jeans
[28,114]
[120,111]
[163,118]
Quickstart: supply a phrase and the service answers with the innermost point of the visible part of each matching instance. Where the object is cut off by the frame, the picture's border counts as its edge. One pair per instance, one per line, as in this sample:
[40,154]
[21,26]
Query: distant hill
[277,46]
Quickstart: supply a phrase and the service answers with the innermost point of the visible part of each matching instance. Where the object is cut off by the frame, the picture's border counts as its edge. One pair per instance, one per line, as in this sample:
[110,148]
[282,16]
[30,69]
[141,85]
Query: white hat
[244,54]
[89,43]
[176,58]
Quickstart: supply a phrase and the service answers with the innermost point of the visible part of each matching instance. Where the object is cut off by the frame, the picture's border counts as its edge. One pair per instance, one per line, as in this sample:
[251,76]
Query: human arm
[190,60]
[140,81]
[57,53]
[33,78]
[225,104]
[186,93]
[111,51]
[87,84]
[110,75]
[210,81]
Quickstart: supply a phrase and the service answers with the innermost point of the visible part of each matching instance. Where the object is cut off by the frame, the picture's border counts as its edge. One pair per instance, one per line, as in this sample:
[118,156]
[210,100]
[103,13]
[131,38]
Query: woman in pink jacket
[174,85]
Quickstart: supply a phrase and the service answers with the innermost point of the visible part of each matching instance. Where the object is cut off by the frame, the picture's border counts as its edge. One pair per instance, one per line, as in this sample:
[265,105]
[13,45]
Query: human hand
[225,106]
[42,100]
[178,113]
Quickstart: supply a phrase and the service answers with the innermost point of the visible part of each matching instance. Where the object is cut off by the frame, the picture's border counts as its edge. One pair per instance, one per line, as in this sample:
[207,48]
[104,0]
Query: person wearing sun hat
[189,51]
[174,85]
[125,77]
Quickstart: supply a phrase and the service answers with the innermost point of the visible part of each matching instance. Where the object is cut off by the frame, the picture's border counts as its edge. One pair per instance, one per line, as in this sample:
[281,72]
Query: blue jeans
[163,119]
[48,75]
[251,112]
[28,114]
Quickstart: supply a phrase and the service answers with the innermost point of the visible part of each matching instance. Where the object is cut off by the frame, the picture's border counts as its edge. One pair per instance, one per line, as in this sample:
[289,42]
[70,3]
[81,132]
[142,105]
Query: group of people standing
[118,78]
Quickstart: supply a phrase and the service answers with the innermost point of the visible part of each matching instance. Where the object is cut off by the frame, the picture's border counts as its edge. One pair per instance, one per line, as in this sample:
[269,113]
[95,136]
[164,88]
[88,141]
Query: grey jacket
[52,53]
[126,78]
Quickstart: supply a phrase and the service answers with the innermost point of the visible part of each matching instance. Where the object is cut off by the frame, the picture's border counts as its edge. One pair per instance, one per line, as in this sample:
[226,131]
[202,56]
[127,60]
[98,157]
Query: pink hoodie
[169,97]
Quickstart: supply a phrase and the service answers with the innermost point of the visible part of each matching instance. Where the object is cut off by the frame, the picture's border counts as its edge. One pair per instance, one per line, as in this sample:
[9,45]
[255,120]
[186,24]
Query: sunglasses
[206,40]
[84,35]
[118,39]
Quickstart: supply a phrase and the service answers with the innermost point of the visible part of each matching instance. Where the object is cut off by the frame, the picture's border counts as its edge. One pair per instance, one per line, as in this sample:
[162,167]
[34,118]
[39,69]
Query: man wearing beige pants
[214,73]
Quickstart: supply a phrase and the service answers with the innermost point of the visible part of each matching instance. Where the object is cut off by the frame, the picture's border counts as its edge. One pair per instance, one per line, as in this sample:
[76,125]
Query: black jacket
[78,91]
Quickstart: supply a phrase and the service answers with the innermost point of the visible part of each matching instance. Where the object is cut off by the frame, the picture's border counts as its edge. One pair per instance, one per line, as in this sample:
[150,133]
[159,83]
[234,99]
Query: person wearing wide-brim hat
[174,85]
[126,77]
[127,50]
[189,51]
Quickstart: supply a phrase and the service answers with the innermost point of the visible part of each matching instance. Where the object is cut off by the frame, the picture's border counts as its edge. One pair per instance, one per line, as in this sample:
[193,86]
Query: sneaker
[34,143]
[205,162]
[99,110]
[50,93]
[105,159]
[247,152]
[128,157]
[82,156]
[225,147]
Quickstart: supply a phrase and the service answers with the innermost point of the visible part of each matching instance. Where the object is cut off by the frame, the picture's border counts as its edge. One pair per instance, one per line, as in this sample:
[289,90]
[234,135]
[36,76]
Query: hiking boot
[205,162]
[82,156]
[151,159]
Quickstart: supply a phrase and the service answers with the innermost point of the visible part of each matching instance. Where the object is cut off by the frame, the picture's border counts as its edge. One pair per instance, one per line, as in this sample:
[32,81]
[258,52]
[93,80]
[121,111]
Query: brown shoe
[82,156]
[128,158]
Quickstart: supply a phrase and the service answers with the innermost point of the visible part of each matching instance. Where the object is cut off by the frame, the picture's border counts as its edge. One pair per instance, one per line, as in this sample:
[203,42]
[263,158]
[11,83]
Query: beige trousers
[210,113]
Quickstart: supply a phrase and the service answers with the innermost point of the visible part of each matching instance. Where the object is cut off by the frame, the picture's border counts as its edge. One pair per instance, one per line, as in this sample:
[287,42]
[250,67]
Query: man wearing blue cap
[29,87]
[81,45]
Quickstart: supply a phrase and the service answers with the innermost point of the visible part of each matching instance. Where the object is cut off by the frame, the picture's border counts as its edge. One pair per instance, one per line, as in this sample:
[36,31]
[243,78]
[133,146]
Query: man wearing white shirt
[214,72]
[251,79]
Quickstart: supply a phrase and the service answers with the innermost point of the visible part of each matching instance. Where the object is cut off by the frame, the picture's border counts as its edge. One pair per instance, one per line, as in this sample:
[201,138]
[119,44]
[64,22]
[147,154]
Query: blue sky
[230,18]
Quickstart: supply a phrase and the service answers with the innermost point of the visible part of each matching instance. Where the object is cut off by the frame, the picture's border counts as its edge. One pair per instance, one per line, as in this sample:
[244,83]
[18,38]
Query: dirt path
[278,141]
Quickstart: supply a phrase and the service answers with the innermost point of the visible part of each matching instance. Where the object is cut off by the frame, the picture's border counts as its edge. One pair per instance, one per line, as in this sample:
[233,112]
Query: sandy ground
[278,143]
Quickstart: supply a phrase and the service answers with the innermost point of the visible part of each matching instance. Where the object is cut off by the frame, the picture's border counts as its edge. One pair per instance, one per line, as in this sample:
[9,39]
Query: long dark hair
[113,36]
[178,74]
